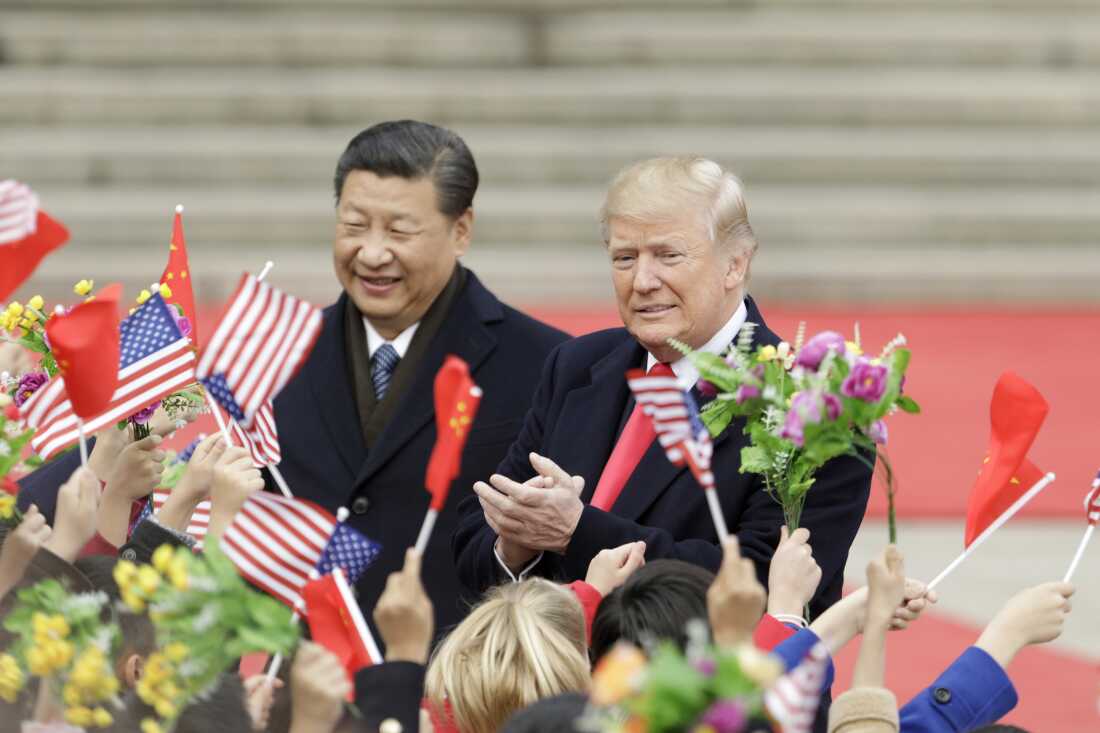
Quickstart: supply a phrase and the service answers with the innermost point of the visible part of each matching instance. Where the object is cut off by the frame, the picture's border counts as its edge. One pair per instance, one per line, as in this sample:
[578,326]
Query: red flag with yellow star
[177,276]
[85,342]
[1015,414]
[456,402]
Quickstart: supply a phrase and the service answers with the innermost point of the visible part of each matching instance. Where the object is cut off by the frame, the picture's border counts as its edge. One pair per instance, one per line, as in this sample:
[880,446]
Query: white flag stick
[997,524]
[83,442]
[426,531]
[1080,553]
[716,514]
[357,616]
[263,273]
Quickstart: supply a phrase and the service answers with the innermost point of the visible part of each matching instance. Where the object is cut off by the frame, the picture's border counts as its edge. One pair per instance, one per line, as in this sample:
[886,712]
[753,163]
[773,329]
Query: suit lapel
[655,473]
[331,389]
[463,333]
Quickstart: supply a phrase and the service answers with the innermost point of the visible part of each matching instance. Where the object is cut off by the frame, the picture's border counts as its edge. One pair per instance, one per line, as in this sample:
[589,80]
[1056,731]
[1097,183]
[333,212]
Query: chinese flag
[26,235]
[85,343]
[177,275]
[335,622]
[1016,414]
[456,402]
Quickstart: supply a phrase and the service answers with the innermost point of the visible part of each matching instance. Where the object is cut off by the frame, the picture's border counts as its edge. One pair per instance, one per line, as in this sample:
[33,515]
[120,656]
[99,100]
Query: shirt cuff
[522,573]
[184,539]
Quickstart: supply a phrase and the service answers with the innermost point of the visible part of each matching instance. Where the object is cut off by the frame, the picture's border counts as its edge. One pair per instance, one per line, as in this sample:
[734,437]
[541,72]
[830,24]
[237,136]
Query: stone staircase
[918,151]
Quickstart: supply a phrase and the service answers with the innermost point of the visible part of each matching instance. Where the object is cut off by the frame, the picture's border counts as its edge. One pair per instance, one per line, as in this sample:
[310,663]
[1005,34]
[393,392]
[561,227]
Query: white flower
[5,448]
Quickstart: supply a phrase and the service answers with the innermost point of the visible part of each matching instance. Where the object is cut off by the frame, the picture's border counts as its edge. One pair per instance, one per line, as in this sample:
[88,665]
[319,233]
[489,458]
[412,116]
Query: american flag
[1092,501]
[262,439]
[792,701]
[350,551]
[200,518]
[18,211]
[676,422]
[262,339]
[155,361]
[278,544]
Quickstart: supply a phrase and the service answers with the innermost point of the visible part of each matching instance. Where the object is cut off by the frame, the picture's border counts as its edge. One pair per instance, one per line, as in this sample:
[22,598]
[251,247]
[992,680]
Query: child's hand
[404,614]
[610,568]
[1033,616]
[886,583]
[20,546]
[794,574]
[318,687]
[75,521]
[735,600]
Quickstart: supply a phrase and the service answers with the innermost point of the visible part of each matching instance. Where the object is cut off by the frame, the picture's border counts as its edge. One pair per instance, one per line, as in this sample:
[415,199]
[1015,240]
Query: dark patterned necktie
[382,365]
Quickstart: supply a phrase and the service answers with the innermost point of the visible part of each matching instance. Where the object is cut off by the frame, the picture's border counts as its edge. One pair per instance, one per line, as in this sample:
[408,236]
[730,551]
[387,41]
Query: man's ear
[462,232]
[133,667]
[737,269]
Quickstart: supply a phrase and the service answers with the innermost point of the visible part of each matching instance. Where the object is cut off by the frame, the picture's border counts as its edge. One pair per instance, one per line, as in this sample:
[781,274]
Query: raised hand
[1033,616]
[610,568]
[886,584]
[794,574]
[76,516]
[735,600]
[404,614]
[259,696]
[135,473]
[20,546]
[235,478]
[194,485]
[318,687]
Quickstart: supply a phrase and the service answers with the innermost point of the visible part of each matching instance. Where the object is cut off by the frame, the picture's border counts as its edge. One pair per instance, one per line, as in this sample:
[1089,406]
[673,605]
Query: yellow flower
[133,601]
[71,696]
[853,348]
[165,709]
[176,652]
[616,675]
[61,654]
[177,573]
[101,718]
[27,322]
[767,353]
[150,726]
[59,625]
[15,308]
[11,678]
[80,716]
[162,558]
[143,296]
[36,303]
[124,572]
[165,291]
[84,287]
[7,506]
[148,580]
[761,667]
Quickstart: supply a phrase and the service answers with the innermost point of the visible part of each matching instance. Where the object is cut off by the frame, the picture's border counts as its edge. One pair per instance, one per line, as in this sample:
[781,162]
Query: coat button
[129,554]
[360,505]
[942,695]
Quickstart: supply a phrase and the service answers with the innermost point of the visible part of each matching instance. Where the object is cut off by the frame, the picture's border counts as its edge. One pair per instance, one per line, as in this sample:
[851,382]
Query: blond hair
[524,642]
[661,188]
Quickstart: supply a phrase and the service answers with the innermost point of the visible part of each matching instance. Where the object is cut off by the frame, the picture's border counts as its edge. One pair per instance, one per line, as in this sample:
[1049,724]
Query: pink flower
[807,409]
[746,392]
[141,417]
[865,382]
[29,383]
[813,352]
[706,389]
[833,406]
[878,432]
[725,716]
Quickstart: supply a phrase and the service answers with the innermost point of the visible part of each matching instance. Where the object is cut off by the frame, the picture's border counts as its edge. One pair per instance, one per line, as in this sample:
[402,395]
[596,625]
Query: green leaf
[718,415]
[908,404]
[754,459]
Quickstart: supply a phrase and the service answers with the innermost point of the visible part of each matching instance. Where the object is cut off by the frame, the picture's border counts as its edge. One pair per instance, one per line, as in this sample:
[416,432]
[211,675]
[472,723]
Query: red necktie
[634,441]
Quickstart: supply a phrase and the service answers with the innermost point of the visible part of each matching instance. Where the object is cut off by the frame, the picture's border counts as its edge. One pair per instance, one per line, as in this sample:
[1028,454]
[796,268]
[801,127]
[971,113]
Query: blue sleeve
[794,649]
[974,691]
[40,486]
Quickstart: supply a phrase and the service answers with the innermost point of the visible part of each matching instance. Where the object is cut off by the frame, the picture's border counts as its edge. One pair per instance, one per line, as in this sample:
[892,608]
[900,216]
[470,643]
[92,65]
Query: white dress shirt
[399,344]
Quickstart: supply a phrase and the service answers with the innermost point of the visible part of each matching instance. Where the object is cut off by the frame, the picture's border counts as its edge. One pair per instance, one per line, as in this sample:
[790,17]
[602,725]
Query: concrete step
[744,36]
[294,39]
[541,155]
[665,95]
[784,216]
[564,275]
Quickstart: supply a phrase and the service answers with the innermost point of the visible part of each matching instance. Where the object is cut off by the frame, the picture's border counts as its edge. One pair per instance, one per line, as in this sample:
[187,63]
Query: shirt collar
[400,344]
[685,371]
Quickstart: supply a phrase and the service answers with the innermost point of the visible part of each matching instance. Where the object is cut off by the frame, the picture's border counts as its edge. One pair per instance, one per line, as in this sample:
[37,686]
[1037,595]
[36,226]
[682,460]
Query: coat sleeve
[391,690]
[973,692]
[41,485]
[833,512]
[474,539]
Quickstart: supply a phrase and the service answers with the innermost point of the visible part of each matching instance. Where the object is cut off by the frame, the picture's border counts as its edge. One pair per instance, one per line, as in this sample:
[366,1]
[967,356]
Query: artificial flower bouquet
[803,406]
[708,689]
[13,439]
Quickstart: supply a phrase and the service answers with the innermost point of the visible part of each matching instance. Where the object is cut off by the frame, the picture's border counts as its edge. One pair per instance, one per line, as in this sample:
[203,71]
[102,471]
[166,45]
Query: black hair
[655,603]
[138,634]
[556,714]
[411,149]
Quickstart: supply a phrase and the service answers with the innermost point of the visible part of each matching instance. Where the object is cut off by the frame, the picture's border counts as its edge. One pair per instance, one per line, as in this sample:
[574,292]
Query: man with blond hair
[584,474]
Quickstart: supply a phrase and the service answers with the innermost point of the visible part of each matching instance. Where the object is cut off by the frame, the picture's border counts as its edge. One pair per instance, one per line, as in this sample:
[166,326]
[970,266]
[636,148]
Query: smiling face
[672,281]
[394,250]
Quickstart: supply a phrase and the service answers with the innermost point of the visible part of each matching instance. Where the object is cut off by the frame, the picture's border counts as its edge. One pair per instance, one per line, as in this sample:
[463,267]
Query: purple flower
[182,322]
[813,352]
[806,408]
[706,667]
[833,406]
[725,716]
[746,392]
[865,382]
[878,432]
[29,383]
[706,389]
[141,417]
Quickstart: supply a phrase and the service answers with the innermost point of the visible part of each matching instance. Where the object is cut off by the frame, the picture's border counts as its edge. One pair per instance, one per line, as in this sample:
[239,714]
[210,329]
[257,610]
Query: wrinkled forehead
[657,229]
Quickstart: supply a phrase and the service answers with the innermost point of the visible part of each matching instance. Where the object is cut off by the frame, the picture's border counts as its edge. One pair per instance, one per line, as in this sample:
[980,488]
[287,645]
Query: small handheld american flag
[260,343]
[1092,513]
[793,700]
[261,439]
[155,361]
[680,432]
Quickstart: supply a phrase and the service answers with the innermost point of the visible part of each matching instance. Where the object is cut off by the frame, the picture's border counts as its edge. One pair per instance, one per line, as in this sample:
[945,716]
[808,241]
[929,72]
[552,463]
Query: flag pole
[83,442]
[1080,553]
[997,524]
[357,616]
[716,514]
[426,531]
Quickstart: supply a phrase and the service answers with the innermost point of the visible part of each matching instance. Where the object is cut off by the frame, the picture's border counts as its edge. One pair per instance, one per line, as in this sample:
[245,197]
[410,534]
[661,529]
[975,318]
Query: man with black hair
[357,423]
